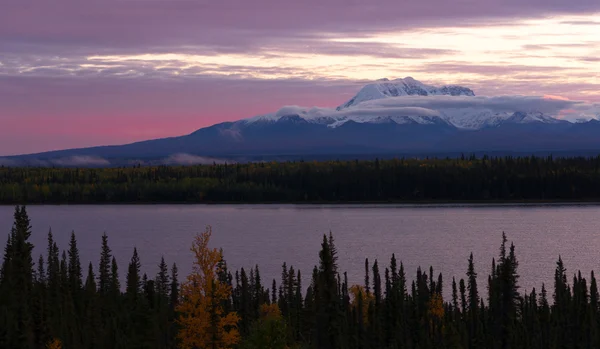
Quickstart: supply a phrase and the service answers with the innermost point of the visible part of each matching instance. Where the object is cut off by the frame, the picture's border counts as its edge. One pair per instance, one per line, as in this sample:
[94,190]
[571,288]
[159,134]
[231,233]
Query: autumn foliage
[47,300]
[358,291]
[270,312]
[203,321]
[54,344]
[436,306]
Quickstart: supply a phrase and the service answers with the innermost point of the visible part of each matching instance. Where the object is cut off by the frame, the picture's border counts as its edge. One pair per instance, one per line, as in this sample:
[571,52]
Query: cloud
[492,68]
[80,161]
[90,161]
[358,48]
[72,161]
[583,110]
[364,109]
[497,103]
[71,30]
[434,106]
[7,162]
[358,113]
[590,59]
[382,110]
[581,22]
[189,159]
[97,24]
[534,47]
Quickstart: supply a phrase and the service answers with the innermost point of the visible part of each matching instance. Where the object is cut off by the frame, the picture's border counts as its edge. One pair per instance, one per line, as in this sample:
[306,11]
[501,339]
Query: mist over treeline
[462,179]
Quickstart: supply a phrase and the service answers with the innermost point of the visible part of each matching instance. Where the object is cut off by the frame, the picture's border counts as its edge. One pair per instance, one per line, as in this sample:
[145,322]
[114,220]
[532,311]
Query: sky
[81,73]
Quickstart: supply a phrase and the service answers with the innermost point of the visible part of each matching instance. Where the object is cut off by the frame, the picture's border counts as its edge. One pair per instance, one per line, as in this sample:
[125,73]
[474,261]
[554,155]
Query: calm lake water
[268,235]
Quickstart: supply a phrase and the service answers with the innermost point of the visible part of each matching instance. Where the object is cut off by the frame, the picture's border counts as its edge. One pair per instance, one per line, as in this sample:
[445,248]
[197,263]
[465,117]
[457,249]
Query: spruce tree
[75,272]
[162,280]
[327,297]
[463,297]
[455,308]
[104,268]
[134,282]
[473,304]
[367,282]
[139,330]
[174,292]
[92,332]
[274,292]
[20,331]
[115,284]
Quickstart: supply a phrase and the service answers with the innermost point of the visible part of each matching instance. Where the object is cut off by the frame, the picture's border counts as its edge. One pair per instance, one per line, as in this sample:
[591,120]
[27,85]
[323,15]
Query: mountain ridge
[408,86]
[422,119]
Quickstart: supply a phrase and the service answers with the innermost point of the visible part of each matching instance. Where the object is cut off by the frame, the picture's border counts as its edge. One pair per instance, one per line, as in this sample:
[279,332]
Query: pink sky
[76,74]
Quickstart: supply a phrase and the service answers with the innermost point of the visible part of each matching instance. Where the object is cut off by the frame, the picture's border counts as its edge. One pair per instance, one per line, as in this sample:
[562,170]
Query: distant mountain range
[402,117]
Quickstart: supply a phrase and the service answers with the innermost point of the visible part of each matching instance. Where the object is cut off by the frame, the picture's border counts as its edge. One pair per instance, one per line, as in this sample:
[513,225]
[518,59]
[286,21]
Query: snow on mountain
[272,117]
[470,118]
[384,88]
[525,118]
[408,101]
[474,118]
[478,118]
[367,114]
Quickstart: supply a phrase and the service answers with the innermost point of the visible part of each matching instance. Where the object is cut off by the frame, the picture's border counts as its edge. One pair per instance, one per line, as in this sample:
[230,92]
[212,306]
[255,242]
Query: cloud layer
[462,111]
[92,161]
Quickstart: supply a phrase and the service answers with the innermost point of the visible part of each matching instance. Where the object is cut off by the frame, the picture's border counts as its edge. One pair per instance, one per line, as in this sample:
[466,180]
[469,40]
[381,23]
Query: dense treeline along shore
[58,303]
[502,179]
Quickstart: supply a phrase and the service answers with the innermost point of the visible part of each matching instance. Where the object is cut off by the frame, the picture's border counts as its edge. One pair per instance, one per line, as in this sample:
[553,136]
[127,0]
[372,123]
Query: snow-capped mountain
[406,101]
[402,116]
[334,118]
[476,119]
[385,88]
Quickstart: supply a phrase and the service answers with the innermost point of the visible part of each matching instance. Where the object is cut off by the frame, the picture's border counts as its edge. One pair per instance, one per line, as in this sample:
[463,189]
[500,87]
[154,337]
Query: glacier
[409,101]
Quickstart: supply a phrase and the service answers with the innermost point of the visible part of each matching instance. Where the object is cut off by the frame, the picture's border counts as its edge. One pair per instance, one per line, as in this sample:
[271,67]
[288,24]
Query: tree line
[50,304]
[397,180]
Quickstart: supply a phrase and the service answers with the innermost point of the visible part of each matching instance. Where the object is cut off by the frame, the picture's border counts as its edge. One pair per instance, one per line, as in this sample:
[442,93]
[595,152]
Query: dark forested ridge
[396,180]
[55,302]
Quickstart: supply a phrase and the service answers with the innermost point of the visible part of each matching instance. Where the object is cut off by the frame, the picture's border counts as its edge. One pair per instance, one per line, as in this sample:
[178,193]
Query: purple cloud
[229,24]
[590,59]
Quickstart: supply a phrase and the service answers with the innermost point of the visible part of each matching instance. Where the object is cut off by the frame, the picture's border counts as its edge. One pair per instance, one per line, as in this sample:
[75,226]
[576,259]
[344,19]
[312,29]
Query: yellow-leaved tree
[202,319]
[436,306]
[436,316]
[361,298]
[54,344]
[269,331]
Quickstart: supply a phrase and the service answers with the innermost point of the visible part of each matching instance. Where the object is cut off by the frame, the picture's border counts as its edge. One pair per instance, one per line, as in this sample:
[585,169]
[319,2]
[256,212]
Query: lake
[267,235]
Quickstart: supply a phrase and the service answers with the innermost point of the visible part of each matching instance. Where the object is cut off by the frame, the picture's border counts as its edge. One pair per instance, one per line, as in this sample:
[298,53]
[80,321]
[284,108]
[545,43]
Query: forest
[58,303]
[465,179]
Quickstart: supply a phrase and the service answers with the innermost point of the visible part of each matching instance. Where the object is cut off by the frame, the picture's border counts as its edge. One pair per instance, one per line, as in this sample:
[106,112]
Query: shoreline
[399,204]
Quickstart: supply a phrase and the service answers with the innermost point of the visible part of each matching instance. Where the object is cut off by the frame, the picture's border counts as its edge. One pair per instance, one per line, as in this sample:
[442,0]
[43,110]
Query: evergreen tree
[18,283]
[162,280]
[75,273]
[115,284]
[134,281]
[104,268]
[174,292]
[367,282]
[62,312]
[473,304]
[327,298]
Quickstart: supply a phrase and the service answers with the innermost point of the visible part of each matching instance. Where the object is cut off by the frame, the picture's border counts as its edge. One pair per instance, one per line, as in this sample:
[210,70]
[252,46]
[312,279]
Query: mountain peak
[408,86]
[520,117]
